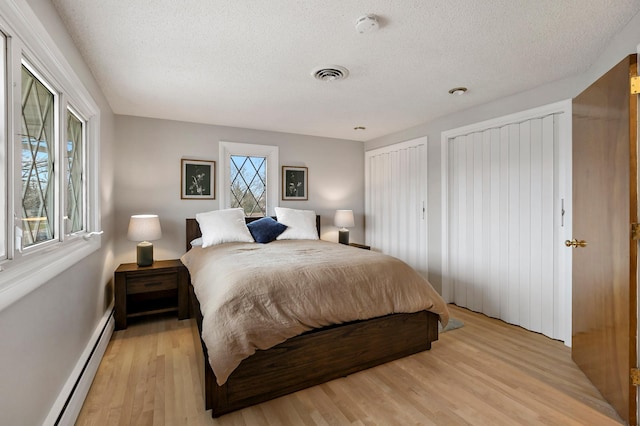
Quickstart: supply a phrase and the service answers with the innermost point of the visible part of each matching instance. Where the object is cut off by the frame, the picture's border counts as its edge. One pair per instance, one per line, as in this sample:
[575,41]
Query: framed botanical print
[198,180]
[294,183]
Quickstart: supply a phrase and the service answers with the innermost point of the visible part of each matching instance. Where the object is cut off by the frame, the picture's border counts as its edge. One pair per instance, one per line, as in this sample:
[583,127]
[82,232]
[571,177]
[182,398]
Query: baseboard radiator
[69,402]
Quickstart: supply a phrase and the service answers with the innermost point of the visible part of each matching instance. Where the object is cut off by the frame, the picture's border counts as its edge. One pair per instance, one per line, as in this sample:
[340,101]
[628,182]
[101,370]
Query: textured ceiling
[248,63]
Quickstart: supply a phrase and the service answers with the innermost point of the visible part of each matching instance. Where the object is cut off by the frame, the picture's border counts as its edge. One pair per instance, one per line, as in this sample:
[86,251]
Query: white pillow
[301,224]
[197,242]
[223,226]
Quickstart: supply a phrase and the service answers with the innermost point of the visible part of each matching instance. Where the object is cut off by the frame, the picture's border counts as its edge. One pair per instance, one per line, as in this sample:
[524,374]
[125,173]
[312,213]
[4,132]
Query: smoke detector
[330,73]
[367,24]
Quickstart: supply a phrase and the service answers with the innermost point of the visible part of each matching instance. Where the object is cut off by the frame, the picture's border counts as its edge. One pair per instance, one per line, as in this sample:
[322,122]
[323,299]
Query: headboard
[193,229]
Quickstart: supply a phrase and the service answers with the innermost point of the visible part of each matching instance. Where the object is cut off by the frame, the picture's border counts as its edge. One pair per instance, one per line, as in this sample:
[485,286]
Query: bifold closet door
[502,227]
[395,201]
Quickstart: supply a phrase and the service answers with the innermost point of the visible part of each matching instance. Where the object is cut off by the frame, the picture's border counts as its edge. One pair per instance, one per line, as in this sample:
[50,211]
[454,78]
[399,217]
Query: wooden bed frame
[314,357]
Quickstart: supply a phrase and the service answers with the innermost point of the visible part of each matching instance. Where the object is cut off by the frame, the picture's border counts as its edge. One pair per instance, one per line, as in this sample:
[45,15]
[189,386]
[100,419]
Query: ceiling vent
[330,73]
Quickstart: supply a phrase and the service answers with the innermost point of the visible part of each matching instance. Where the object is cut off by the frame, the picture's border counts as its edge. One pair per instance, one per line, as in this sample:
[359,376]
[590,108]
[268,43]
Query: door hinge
[635,231]
[635,377]
[635,85]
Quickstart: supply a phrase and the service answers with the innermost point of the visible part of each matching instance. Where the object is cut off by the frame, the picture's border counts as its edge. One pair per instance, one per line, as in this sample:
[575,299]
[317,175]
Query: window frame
[4,173]
[27,41]
[270,152]
[55,173]
[72,111]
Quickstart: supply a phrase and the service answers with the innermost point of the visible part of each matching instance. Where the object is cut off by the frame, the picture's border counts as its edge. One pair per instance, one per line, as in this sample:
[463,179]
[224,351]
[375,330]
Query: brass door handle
[575,243]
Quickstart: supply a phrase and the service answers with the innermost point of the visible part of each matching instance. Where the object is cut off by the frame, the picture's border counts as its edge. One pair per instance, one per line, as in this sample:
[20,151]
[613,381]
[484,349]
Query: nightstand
[362,246]
[145,290]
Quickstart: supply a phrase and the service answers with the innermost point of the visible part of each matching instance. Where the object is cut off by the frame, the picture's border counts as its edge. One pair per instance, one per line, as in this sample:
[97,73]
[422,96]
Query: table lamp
[144,228]
[343,220]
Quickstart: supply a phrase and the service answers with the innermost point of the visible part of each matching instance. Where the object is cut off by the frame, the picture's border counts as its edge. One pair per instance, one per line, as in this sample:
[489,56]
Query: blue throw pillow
[265,230]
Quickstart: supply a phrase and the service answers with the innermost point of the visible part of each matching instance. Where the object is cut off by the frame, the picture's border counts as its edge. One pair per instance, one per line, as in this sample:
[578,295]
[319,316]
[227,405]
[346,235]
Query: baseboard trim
[69,402]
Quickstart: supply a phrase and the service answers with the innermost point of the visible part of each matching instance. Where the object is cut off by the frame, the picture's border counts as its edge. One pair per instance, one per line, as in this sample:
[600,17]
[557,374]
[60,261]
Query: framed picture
[294,183]
[198,180]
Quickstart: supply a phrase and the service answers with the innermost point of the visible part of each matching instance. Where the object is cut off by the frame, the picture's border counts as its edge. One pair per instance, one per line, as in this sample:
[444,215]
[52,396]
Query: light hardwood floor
[486,373]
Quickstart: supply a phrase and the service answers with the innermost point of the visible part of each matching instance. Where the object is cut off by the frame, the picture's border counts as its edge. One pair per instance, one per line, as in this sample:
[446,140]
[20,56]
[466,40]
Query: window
[249,184]
[74,172]
[49,158]
[3,148]
[249,177]
[38,155]
[39,180]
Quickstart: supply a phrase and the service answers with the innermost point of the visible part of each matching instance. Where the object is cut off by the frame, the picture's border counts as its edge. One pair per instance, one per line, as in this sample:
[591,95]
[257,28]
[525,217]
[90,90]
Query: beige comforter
[255,296]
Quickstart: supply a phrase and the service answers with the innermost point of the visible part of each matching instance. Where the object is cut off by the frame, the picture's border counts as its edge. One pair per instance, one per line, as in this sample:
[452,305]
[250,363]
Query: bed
[313,357]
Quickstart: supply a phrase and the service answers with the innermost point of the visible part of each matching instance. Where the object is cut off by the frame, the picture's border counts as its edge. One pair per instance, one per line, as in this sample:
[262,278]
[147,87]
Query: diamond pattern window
[249,184]
[4,184]
[74,173]
[38,150]
[50,215]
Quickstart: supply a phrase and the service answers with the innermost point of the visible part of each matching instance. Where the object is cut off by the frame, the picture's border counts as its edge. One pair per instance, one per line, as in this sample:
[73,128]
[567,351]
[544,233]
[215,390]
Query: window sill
[19,279]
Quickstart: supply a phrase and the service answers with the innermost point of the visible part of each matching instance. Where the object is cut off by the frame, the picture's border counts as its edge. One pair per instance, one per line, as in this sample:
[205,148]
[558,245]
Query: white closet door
[503,222]
[395,210]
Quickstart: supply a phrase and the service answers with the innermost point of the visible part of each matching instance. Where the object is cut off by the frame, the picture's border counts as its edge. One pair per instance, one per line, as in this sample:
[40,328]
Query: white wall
[147,176]
[620,46]
[43,335]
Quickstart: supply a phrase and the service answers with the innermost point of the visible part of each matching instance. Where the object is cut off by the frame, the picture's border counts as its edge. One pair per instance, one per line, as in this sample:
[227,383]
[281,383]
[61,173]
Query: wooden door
[604,206]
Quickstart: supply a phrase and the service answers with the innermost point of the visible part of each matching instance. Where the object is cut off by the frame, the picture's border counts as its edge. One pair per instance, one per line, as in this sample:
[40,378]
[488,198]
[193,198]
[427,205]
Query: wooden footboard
[315,357]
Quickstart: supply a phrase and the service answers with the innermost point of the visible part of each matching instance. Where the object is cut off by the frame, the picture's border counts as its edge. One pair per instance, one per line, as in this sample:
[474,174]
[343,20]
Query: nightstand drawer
[154,282]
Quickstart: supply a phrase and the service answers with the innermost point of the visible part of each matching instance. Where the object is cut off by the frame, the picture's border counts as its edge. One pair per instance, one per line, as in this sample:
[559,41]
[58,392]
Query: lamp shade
[144,227]
[344,219]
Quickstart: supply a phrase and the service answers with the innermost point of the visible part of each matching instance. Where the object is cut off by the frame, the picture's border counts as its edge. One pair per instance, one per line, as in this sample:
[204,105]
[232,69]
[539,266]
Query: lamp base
[144,251]
[343,236]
